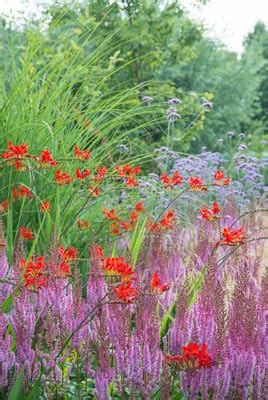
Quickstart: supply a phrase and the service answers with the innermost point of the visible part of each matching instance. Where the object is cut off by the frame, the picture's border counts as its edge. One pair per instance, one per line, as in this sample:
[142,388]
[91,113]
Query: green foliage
[167,320]
[16,392]
[232,84]
[256,43]
[99,48]
[137,240]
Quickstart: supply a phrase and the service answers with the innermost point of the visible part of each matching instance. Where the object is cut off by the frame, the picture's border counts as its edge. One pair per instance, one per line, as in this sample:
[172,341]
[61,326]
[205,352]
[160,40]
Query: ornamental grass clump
[139,299]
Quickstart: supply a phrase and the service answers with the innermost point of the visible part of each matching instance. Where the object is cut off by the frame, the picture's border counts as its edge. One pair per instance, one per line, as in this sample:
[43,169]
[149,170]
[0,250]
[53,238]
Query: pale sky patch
[230,20]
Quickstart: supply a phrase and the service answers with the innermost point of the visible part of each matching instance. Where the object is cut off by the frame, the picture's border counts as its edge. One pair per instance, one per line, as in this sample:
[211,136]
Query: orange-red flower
[126,292]
[168,220]
[62,178]
[171,181]
[127,170]
[99,252]
[34,273]
[157,285]
[19,165]
[4,205]
[81,154]
[64,270]
[82,175]
[68,253]
[166,223]
[221,179]
[45,206]
[131,182]
[26,233]
[134,216]
[129,173]
[196,184]
[114,228]
[211,214]
[21,192]
[139,207]
[94,191]
[110,214]
[15,151]
[46,159]
[232,237]
[125,225]
[83,224]
[118,266]
[129,225]
[101,173]
[192,357]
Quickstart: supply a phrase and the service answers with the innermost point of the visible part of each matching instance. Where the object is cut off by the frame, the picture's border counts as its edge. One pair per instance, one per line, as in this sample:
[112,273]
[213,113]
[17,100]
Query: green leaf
[137,240]
[17,389]
[112,389]
[35,391]
[167,320]
[195,286]
[7,305]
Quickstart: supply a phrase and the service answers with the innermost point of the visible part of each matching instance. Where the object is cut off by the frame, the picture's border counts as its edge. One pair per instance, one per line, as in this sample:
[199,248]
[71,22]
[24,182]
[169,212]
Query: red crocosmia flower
[45,206]
[101,173]
[118,266]
[139,207]
[19,165]
[123,170]
[4,205]
[83,225]
[81,154]
[131,182]
[110,214]
[13,151]
[64,270]
[154,227]
[21,192]
[129,225]
[134,216]
[82,175]
[68,253]
[170,182]
[26,233]
[136,170]
[168,219]
[221,179]
[194,352]
[215,208]
[127,170]
[46,159]
[192,357]
[94,191]
[155,281]
[232,237]
[219,175]
[211,214]
[34,273]
[62,178]
[115,229]
[196,184]
[157,285]
[126,292]
[126,226]
[164,224]
[99,252]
